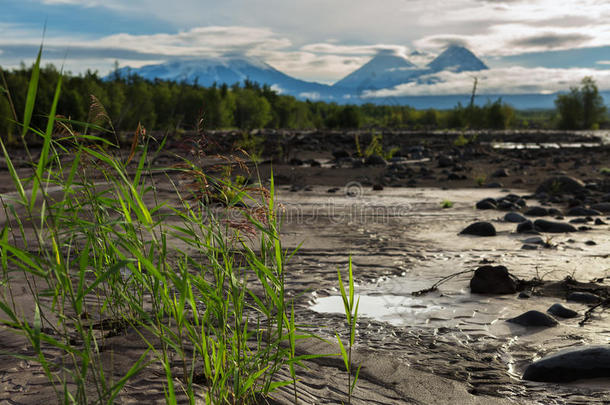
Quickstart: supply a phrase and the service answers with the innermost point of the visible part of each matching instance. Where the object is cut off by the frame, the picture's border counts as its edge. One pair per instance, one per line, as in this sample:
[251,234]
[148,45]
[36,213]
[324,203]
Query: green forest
[169,106]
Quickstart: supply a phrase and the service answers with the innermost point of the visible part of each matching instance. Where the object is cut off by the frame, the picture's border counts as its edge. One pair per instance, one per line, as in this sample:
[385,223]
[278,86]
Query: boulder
[514,217]
[571,364]
[561,311]
[553,227]
[602,207]
[527,226]
[561,185]
[533,318]
[582,212]
[479,229]
[375,160]
[486,204]
[537,212]
[584,297]
[500,173]
[492,280]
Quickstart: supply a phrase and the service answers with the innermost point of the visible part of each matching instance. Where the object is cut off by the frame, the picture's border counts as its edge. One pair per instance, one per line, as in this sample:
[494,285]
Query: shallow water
[405,237]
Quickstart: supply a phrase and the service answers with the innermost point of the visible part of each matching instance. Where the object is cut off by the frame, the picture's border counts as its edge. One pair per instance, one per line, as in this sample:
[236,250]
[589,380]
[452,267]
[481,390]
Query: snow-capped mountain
[385,70]
[229,70]
[456,59]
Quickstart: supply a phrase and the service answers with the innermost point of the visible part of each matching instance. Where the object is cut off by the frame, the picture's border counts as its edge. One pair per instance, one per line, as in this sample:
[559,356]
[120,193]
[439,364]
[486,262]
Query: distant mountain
[456,59]
[206,72]
[385,70]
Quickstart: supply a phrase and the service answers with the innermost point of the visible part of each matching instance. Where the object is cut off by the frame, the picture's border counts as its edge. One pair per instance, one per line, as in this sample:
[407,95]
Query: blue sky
[542,44]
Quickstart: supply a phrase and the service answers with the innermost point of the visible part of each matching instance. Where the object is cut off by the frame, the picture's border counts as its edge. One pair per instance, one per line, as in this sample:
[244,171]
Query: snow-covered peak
[456,59]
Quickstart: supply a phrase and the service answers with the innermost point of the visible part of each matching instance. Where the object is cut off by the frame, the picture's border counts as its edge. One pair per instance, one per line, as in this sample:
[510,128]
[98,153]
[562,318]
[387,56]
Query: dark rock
[492,280]
[514,217]
[445,161]
[377,187]
[552,227]
[525,227]
[507,206]
[579,221]
[523,295]
[479,229]
[340,154]
[533,318]
[571,364]
[555,211]
[375,160]
[500,173]
[527,246]
[494,185]
[312,163]
[584,297]
[536,240]
[599,222]
[333,190]
[602,207]
[295,162]
[486,204]
[537,212]
[561,185]
[582,212]
[561,311]
[590,243]
[584,228]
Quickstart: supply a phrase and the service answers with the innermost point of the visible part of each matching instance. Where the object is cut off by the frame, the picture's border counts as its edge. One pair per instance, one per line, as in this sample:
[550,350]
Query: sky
[536,45]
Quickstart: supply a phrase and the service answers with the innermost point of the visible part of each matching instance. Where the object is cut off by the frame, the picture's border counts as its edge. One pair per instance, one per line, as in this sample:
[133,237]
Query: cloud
[552,40]
[514,80]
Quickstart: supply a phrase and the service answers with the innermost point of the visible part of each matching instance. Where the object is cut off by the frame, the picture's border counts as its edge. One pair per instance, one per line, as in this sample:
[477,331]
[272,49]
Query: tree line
[169,106]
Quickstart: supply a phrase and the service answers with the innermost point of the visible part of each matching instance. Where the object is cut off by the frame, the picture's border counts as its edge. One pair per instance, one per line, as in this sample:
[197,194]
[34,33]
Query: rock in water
[479,229]
[560,310]
[582,212]
[492,280]
[571,364]
[533,318]
[537,212]
[552,227]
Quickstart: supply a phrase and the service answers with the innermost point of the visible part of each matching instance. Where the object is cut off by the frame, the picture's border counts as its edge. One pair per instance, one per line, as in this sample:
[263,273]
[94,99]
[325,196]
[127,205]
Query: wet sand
[446,347]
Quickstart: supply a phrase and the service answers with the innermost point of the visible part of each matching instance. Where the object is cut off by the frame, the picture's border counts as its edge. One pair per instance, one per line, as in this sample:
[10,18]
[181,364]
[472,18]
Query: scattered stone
[533,318]
[590,243]
[584,228]
[584,297]
[527,246]
[602,207]
[492,280]
[553,227]
[479,229]
[536,240]
[561,311]
[377,187]
[571,364]
[599,222]
[486,204]
[537,212]
[561,185]
[523,295]
[514,217]
[582,212]
[526,226]
[494,185]
[579,221]
[340,154]
[500,173]
[375,160]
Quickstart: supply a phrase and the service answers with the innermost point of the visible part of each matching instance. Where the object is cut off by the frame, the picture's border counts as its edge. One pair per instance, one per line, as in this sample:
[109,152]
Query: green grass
[201,289]
[446,204]
[208,307]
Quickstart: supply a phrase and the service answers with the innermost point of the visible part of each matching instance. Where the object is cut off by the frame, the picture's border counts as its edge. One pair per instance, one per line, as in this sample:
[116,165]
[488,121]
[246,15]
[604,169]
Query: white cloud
[515,80]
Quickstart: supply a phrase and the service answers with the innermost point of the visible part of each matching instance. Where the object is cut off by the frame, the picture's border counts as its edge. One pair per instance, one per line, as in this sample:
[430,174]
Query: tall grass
[203,292]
